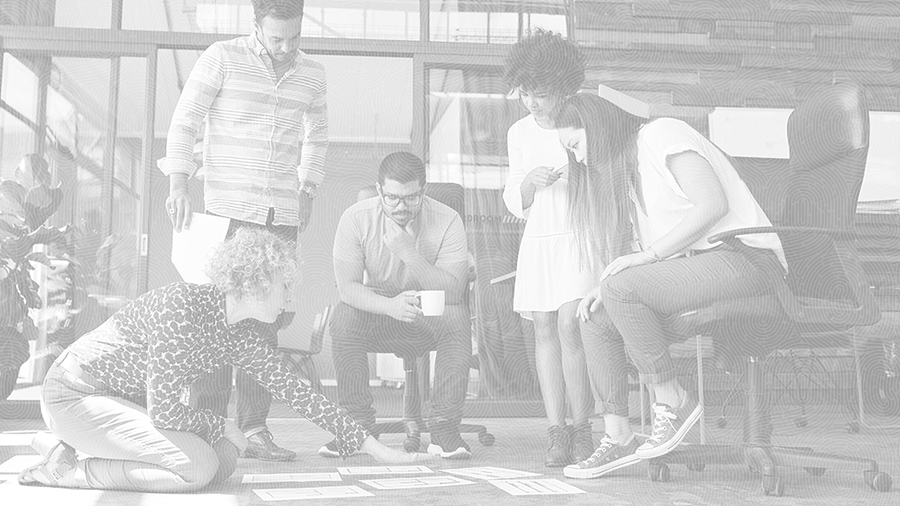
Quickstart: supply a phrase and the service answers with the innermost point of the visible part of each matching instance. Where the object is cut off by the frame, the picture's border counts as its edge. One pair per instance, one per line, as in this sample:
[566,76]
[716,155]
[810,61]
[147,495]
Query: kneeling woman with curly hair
[149,351]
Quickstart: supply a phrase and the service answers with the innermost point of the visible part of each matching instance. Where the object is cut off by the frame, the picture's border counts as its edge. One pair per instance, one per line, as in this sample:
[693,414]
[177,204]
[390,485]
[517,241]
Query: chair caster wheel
[853,427]
[486,439]
[878,481]
[721,422]
[801,422]
[659,472]
[412,444]
[773,485]
[815,471]
[698,467]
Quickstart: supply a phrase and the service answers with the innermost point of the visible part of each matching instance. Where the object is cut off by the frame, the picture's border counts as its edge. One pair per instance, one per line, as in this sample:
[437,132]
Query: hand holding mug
[431,302]
[403,307]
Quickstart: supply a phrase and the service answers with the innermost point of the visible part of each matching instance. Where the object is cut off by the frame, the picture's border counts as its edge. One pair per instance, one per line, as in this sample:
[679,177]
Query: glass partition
[469,113]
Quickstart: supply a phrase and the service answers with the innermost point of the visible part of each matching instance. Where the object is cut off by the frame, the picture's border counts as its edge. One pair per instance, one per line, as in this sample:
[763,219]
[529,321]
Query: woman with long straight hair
[650,195]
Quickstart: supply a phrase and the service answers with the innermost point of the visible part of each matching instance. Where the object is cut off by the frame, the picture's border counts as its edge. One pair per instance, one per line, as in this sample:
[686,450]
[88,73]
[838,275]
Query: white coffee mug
[431,302]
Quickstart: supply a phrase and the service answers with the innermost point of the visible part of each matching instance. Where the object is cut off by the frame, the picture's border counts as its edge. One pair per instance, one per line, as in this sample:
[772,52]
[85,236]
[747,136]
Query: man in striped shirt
[262,101]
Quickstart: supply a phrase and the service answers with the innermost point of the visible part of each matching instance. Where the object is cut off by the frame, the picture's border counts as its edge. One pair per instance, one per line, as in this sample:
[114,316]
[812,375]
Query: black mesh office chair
[301,360]
[416,362]
[817,304]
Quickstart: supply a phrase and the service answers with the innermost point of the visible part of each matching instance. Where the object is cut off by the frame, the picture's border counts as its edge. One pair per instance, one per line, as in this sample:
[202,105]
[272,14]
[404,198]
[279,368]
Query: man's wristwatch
[310,189]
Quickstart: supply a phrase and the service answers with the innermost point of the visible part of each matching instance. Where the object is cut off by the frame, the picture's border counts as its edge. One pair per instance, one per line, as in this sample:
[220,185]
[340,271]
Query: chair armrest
[732,234]
[504,277]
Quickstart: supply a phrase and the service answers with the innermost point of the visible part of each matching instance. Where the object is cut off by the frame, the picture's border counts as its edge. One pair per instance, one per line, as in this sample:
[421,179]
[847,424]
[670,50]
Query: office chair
[416,362]
[301,361]
[817,304]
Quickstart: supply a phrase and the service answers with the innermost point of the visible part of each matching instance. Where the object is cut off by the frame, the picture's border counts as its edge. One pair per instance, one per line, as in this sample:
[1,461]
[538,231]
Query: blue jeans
[127,451]
[638,299]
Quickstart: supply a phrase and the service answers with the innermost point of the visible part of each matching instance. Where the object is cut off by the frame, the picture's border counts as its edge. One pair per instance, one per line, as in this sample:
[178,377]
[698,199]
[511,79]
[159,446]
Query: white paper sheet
[548,486]
[295,494]
[290,477]
[192,248]
[384,470]
[490,473]
[416,482]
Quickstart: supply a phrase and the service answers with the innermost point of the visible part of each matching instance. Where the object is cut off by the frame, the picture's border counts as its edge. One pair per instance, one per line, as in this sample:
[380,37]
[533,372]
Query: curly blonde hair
[248,262]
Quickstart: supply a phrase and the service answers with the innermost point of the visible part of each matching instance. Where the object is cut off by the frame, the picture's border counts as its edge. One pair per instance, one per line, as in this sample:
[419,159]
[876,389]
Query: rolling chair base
[765,460]
[760,455]
[415,428]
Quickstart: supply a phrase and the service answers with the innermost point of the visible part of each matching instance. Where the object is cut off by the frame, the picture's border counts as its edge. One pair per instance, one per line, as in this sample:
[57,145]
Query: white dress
[548,271]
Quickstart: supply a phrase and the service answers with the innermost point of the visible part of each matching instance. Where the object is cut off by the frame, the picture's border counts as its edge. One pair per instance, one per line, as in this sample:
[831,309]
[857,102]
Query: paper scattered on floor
[418,482]
[290,477]
[548,486]
[384,470]
[294,494]
[490,473]
[17,463]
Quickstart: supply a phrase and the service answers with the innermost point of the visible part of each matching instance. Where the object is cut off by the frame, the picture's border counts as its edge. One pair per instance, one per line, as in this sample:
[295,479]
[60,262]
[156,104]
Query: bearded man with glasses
[386,249]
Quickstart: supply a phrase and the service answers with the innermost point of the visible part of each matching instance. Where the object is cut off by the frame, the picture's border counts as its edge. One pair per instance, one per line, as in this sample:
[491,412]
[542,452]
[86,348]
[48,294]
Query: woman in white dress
[551,275]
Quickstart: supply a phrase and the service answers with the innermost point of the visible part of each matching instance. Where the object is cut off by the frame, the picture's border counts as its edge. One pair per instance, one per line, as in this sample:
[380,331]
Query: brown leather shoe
[262,446]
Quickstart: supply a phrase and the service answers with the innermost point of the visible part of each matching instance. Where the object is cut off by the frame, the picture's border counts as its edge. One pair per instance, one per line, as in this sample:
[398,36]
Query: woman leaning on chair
[671,188]
[153,347]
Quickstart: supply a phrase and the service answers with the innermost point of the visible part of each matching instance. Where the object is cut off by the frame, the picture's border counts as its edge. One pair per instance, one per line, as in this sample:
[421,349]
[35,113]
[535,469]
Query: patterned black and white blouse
[171,336]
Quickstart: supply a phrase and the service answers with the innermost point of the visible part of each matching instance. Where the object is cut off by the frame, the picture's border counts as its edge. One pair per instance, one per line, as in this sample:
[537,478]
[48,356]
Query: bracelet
[649,251]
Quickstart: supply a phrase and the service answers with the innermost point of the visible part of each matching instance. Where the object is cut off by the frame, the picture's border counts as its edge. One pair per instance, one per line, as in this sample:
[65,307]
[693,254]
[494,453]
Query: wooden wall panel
[684,57]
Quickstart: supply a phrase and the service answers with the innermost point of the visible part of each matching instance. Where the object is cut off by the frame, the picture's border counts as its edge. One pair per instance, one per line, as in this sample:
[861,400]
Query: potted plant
[25,205]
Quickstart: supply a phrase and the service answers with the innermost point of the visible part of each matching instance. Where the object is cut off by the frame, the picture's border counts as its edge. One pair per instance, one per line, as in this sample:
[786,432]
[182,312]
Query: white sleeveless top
[667,205]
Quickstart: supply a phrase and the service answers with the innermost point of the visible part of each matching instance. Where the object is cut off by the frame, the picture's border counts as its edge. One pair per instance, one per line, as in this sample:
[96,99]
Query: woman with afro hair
[551,276]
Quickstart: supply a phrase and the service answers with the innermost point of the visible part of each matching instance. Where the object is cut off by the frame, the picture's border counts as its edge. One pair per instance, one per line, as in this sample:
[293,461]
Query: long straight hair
[599,204]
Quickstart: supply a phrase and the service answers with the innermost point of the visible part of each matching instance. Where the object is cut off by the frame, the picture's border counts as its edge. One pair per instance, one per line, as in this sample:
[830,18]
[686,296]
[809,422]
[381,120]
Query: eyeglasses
[392,200]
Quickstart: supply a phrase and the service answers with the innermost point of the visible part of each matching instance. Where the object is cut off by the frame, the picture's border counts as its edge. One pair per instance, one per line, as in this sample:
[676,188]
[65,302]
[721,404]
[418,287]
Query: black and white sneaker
[670,426]
[610,456]
[446,442]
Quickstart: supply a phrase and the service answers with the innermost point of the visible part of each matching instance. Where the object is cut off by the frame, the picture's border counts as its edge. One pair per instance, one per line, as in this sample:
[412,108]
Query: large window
[490,22]
[469,114]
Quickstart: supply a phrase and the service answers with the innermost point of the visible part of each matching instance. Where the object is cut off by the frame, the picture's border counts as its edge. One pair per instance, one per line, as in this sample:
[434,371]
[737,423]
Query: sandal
[59,460]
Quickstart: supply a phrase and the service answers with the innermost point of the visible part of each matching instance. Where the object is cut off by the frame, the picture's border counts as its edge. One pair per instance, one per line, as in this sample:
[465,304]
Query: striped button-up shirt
[263,137]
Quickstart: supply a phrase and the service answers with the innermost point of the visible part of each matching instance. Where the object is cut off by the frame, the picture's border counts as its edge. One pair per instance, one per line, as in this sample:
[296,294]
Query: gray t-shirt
[438,230]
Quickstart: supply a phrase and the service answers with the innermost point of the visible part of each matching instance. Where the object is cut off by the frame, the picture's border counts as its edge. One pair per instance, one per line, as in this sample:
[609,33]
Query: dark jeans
[608,366]
[355,332]
[213,390]
[638,299]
